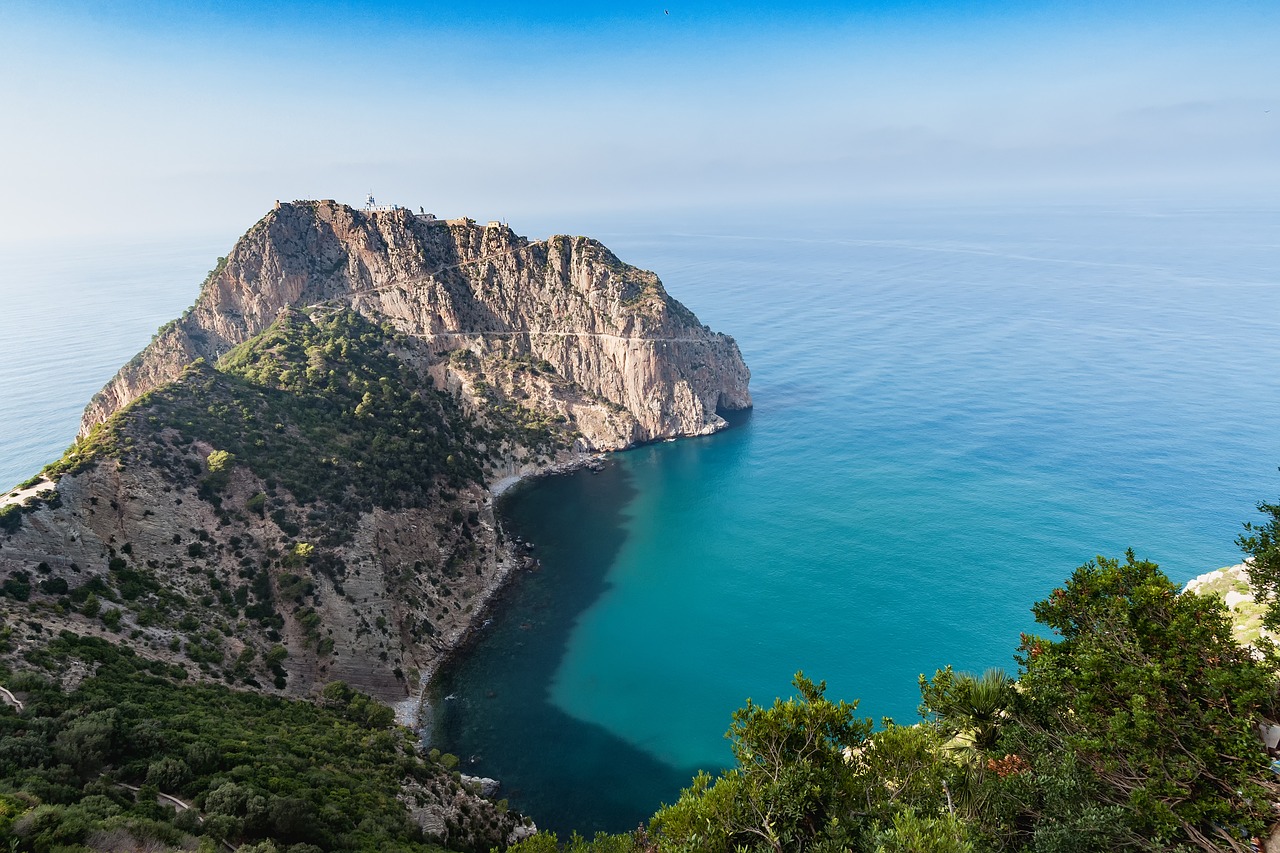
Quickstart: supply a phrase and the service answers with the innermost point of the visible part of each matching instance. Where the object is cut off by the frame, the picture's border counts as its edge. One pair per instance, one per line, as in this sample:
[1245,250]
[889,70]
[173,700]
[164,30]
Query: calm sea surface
[70,314]
[953,411]
[954,408]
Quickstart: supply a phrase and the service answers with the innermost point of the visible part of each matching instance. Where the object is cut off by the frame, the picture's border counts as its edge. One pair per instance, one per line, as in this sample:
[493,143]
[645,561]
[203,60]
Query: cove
[492,702]
[954,409]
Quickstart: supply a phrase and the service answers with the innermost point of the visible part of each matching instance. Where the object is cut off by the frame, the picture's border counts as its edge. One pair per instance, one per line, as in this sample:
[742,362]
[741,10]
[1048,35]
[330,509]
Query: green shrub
[111,619]
[261,769]
[10,518]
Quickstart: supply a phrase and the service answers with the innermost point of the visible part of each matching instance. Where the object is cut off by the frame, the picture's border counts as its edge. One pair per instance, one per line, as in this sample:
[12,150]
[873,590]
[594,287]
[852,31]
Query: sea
[954,408]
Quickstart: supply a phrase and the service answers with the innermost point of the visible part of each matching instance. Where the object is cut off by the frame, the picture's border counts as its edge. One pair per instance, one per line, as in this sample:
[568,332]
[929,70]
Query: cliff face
[624,362]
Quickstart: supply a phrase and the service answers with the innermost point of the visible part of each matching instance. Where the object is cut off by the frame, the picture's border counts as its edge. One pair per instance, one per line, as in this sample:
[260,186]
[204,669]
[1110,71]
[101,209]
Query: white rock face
[1233,598]
[561,323]
[1232,585]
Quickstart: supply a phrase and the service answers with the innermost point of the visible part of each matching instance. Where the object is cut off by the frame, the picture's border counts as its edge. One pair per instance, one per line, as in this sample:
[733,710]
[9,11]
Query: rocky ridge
[619,358]
[1232,585]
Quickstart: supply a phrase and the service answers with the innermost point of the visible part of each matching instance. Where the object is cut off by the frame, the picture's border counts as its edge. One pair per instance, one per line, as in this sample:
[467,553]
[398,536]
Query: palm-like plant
[964,704]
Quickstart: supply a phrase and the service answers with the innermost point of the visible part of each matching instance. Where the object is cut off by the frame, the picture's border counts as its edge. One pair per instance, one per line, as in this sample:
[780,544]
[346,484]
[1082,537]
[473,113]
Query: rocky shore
[1231,584]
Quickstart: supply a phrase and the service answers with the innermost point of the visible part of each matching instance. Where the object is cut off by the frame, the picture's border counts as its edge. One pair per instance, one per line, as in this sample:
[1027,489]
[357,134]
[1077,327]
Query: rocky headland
[290,485]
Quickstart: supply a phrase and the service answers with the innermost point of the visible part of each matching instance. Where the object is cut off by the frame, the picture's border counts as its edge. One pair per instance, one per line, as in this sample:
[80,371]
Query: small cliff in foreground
[287,487]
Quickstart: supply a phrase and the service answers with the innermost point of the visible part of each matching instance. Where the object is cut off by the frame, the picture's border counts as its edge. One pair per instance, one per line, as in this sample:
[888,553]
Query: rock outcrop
[1232,585]
[620,358]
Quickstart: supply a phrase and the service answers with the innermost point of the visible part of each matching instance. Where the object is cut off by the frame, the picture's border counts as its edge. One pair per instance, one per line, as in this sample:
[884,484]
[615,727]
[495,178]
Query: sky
[161,118]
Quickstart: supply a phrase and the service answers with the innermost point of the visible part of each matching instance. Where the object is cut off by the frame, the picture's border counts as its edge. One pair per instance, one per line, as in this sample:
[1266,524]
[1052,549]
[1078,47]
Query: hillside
[560,325]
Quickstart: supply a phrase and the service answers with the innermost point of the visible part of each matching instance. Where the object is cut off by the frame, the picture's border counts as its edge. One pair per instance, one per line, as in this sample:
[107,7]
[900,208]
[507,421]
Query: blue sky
[558,108]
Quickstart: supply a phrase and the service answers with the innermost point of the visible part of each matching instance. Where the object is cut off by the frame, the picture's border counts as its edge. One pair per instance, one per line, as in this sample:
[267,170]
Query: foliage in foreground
[85,767]
[1261,543]
[1133,730]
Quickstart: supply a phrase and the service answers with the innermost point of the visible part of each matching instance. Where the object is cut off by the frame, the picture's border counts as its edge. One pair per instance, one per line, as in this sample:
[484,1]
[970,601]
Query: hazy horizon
[118,113]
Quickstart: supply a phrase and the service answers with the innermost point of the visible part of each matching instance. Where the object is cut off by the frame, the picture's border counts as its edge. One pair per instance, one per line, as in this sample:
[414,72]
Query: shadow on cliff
[492,706]
[736,418]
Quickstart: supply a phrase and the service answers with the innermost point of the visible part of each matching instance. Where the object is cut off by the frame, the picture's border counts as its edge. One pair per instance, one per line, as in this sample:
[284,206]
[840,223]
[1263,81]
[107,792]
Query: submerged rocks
[482,785]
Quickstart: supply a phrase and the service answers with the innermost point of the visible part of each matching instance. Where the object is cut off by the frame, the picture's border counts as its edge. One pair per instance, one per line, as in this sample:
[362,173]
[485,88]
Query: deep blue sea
[954,408]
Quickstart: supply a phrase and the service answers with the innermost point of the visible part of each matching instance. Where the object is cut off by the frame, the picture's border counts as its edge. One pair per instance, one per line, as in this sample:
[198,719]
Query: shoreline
[576,462]
[412,710]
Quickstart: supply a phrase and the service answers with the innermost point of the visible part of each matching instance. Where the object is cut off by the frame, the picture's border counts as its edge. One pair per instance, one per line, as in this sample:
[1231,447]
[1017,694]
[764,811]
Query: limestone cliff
[620,359]
[288,486]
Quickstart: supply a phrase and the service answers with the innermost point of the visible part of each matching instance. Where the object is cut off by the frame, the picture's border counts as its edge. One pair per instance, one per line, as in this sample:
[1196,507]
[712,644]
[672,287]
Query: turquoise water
[953,410]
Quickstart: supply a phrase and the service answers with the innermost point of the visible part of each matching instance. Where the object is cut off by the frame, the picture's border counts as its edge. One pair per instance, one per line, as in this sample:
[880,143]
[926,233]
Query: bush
[260,769]
[10,518]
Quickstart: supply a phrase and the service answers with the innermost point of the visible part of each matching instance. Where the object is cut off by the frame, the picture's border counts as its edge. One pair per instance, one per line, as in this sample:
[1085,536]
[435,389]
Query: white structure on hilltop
[370,206]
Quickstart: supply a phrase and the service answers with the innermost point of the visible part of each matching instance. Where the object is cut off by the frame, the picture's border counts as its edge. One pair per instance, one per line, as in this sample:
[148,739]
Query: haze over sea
[954,408]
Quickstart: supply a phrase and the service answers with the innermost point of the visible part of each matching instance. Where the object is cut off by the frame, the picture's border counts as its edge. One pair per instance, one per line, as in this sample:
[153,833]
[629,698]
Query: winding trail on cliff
[531,332]
[10,699]
[338,302]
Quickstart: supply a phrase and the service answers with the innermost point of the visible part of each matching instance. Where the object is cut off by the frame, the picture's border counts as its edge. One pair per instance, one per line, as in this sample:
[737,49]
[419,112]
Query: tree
[911,833]
[793,786]
[219,461]
[967,705]
[168,774]
[1262,545]
[1149,695]
[219,464]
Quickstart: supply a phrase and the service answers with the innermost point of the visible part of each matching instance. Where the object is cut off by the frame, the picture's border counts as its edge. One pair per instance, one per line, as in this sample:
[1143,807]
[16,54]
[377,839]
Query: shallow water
[953,410]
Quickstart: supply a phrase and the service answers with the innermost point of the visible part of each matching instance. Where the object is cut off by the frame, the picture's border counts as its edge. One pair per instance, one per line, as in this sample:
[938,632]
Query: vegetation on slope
[1131,728]
[1261,542]
[85,769]
[321,405]
[332,422]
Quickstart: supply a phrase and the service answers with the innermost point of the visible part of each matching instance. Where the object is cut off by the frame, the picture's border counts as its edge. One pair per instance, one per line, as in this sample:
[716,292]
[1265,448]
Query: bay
[954,408]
